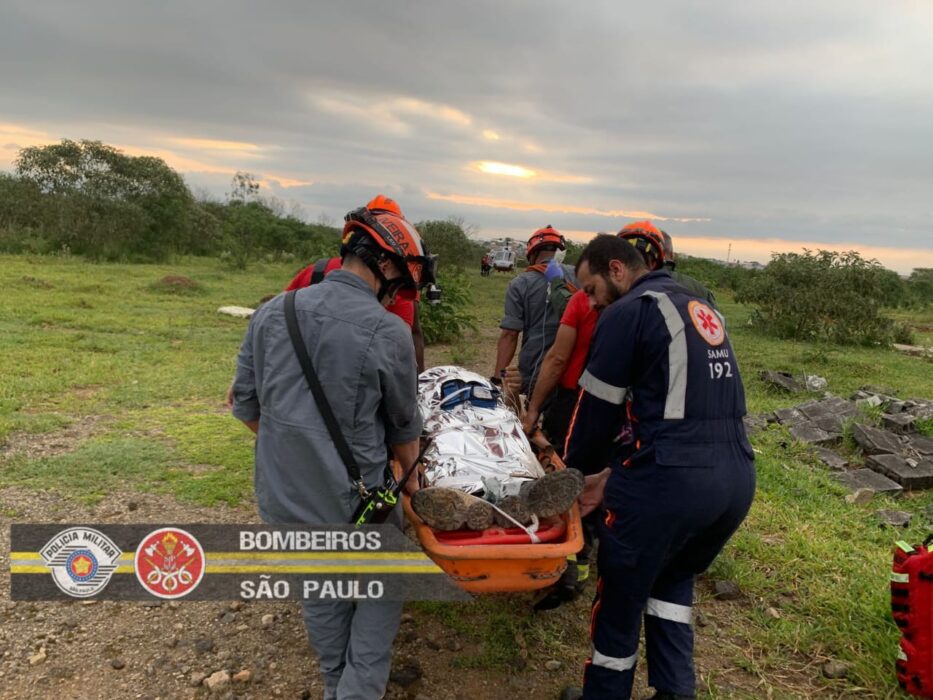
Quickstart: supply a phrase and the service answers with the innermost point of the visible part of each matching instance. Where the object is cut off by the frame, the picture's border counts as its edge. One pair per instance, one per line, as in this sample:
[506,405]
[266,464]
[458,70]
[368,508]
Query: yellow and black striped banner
[222,562]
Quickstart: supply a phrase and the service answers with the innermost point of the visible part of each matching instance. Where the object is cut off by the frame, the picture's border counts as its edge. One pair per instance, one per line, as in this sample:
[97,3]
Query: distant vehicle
[503,260]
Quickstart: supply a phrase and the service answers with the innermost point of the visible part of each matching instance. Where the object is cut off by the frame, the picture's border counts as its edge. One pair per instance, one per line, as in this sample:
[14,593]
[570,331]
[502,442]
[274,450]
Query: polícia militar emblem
[169,562]
[707,323]
[81,560]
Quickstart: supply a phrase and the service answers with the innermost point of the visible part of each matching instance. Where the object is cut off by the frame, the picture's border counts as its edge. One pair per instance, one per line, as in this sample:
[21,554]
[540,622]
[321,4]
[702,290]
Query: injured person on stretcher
[480,468]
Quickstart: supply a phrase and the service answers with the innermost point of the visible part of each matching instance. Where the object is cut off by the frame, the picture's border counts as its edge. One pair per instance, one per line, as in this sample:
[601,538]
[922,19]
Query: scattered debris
[812,435]
[861,496]
[866,478]
[900,422]
[553,665]
[874,441]
[117,664]
[815,382]
[38,658]
[754,423]
[916,350]
[781,380]
[217,681]
[870,401]
[726,590]
[831,413]
[893,518]
[789,416]
[236,311]
[831,459]
[836,669]
[921,445]
[912,475]
[196,679]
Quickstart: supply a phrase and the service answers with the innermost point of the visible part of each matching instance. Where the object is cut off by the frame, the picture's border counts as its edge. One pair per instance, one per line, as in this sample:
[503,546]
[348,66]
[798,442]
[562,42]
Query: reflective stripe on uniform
[603,390]
[676,356]
[669,611]
[900,578]
[613,663]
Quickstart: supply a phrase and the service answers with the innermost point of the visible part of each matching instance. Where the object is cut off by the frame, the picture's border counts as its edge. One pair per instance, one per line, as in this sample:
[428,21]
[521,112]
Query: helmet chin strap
[372,262]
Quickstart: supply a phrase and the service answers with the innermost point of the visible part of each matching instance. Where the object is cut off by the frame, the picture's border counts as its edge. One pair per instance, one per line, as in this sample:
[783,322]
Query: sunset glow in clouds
[773,127]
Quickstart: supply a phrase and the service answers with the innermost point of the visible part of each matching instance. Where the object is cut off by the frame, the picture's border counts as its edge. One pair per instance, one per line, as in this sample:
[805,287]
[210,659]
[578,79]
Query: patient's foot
[553,493]
[441,508]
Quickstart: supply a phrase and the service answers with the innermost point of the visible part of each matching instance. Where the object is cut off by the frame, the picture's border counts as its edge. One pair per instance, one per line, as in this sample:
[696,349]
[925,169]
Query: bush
[715,275]
[449,319]
[920,286]
[450,243]
[821,295]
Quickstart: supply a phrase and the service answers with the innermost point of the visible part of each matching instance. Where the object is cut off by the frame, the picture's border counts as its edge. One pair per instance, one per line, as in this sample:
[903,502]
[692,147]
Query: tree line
[88,198]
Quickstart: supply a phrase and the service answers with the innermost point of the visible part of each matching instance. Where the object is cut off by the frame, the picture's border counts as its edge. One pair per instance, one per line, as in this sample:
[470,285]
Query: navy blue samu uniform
[660,360]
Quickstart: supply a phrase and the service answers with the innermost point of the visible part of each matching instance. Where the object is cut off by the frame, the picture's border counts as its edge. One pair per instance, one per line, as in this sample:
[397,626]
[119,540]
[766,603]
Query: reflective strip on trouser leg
[614,663]
[669,634]
[676,357]
[669,611]
[616,622]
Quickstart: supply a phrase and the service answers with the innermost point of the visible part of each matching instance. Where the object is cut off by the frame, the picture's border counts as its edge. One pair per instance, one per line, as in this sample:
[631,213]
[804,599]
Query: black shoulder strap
[291,320]
[317,274]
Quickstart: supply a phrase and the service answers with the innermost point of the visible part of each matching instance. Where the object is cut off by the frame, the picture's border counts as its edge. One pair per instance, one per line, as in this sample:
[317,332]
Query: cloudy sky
[767,126]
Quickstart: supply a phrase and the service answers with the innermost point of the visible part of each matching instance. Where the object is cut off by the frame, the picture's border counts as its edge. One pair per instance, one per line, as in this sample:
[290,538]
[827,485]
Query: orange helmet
[382,222]
[647,239]
[542,237]
[382,203]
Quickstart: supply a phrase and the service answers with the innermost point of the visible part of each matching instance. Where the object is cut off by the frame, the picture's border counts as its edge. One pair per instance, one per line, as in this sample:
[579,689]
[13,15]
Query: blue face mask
[455,392]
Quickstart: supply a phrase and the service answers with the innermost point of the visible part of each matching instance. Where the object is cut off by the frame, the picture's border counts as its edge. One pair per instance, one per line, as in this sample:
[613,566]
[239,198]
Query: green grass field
[143,368]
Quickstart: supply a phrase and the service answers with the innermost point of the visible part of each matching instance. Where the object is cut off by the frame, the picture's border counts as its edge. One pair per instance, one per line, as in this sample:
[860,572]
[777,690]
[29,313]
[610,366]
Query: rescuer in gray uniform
[364,358]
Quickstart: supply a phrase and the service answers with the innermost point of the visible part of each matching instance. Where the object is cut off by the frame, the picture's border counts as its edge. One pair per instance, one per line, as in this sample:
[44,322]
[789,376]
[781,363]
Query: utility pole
[729,253]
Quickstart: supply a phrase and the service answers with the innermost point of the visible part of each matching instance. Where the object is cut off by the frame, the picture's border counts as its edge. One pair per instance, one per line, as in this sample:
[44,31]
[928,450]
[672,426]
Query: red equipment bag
[912,608]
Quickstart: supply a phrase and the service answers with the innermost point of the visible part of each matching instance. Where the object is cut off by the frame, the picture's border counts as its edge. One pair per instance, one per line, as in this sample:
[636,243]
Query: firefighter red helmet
[647,238]
[383,223]
[544,237]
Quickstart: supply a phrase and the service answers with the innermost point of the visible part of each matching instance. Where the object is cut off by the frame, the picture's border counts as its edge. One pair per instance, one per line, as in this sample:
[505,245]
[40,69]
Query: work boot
[441,508]
[514,506]
[479,514]
[553,493]
[571,693]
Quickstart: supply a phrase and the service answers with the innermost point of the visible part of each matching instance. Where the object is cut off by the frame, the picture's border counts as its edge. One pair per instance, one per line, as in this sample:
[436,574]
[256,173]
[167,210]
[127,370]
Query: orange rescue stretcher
[502,560]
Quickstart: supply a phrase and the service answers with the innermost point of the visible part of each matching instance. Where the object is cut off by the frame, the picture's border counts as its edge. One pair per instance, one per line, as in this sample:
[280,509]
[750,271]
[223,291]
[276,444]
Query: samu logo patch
[707,323]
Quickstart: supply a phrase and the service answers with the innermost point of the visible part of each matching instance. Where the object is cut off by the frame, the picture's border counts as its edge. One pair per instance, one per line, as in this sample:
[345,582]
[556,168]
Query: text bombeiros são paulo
[309,541]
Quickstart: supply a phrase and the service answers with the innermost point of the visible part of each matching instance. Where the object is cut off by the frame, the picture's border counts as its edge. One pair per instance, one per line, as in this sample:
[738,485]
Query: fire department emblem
[82,560]
[707,323]
[169,563]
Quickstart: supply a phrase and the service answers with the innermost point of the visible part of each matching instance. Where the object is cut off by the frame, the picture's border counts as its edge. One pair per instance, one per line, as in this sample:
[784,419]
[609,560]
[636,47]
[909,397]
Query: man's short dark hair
[604,248]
